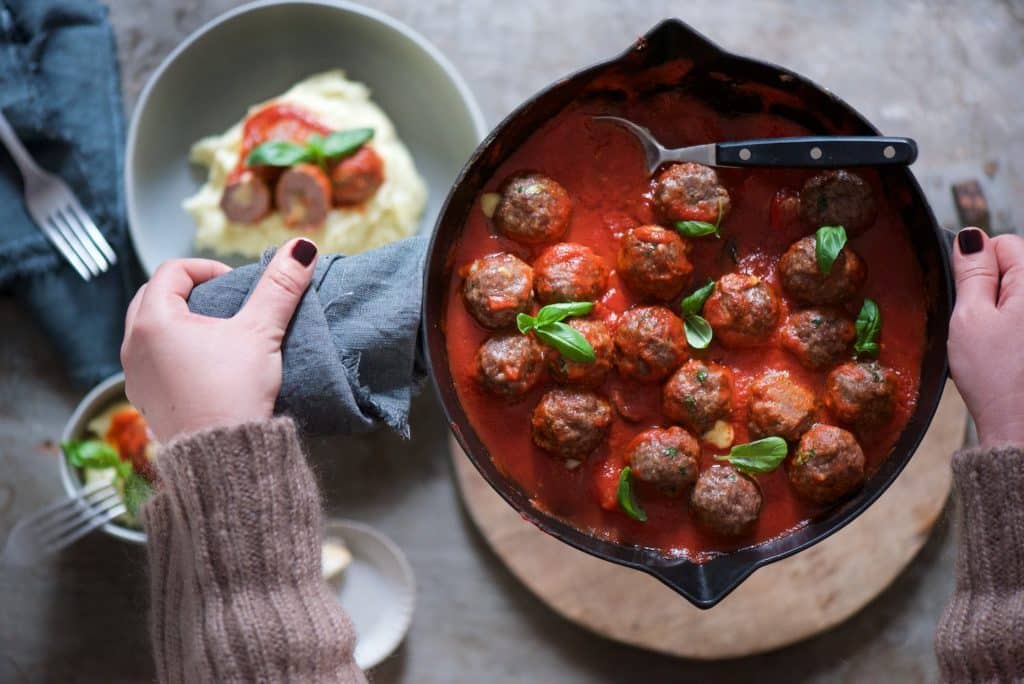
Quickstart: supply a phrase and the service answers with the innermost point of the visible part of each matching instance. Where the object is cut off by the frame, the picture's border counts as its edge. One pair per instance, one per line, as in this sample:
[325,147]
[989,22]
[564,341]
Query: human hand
[186,372]
[986,352]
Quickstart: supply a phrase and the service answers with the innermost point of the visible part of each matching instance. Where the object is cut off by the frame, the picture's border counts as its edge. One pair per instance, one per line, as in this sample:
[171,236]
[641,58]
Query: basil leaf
[627,502]
[137,491]
[868,326]
[828,242]
[95,453]
[568,341]
[693,303]
[525,322]
[344,143]
[698,332]
[552,313]
[761,456]
[279,153]
[696,228]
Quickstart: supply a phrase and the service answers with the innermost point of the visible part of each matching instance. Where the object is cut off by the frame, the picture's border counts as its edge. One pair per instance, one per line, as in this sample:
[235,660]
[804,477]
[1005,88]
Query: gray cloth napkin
[350,356]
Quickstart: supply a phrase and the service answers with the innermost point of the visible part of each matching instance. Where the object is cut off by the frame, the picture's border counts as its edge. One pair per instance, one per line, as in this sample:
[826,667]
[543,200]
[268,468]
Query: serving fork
[58,213]
[59,525]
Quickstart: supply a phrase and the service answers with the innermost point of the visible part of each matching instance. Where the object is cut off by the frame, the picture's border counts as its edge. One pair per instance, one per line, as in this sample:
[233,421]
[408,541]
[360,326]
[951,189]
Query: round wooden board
[780,604]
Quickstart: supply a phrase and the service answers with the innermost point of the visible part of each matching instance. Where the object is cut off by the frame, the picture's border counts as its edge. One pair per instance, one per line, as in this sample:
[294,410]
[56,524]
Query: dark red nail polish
[970,240]
[304,251]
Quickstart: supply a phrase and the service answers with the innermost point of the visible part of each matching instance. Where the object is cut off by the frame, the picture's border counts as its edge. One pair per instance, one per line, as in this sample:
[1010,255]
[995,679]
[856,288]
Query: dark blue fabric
[60,89]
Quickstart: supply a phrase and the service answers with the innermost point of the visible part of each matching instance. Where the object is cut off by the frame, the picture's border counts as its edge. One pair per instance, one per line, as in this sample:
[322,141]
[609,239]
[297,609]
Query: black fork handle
[822,152]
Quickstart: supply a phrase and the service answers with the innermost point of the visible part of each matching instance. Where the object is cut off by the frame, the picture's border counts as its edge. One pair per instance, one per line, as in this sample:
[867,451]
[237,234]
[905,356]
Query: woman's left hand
[186,372]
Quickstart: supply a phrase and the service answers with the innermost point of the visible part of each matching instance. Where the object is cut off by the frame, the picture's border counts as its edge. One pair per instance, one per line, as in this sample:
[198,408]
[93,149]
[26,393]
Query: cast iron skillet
[717,77]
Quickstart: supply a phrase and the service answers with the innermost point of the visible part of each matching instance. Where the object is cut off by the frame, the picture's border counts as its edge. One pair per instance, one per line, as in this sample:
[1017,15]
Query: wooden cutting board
[780,604]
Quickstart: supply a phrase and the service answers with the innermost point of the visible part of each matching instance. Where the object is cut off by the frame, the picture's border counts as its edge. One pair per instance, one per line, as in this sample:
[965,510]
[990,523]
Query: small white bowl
[99,397]
[257,51]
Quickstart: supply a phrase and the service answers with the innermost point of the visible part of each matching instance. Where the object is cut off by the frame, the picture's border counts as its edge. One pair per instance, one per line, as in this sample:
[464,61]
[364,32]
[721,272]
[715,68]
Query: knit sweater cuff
[980,632]
[235,532]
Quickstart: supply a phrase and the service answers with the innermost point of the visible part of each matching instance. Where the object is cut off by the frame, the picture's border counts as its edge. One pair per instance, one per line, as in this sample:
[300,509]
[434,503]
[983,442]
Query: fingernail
[970,240]
[304,251]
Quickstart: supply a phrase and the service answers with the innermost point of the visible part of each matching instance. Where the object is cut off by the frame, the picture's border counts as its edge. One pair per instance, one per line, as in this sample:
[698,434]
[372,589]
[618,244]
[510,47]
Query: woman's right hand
[986,333]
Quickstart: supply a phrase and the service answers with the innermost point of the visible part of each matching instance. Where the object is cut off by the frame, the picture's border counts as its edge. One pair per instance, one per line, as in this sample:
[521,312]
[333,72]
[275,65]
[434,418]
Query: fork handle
[26,164]
[818,152]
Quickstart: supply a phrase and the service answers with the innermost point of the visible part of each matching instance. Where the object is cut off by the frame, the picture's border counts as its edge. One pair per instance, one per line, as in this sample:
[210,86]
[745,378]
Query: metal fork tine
[64,248]
[76,211]
[54,533]
[94,492]
[92,258]
[75,508]
[90,524]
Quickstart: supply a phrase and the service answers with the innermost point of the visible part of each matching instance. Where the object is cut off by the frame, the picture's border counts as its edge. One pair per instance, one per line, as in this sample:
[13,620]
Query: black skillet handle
[823,152]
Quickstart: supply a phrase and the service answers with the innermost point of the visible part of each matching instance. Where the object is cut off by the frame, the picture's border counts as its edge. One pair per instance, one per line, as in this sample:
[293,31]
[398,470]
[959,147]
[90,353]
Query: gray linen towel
[350,355]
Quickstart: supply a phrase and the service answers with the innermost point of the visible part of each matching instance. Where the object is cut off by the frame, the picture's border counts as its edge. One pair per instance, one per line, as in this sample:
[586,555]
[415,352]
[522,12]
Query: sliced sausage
[246,199]
[303,196]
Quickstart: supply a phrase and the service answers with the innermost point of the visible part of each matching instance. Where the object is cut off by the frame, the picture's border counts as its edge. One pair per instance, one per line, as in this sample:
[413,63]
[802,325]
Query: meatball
[653,262]
[568,272]
[649,343]
[578,373]
[668,458]
[691,192]
[838,198]
[803,280]
[726,501]
[698,394]
[818,338]
[509,365]
[742,310]
[533,209]
[496,288]
[570,423]
[779,407]
[861,394]
[357,177]
[828,464]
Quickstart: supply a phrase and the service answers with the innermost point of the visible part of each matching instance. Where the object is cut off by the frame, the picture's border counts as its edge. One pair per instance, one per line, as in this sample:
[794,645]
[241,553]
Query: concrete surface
[946,73]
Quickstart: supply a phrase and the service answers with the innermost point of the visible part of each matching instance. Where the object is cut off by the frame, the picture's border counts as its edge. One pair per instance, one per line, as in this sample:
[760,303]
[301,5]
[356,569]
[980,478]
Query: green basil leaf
[344,143]
[693,303]
[525,322]
[828,242]
[567,341]
[868,326]
[92,453]
[137,491]
[696,228]
[627,502]
[552,313]
[698,331]
[279,153]
[760,456]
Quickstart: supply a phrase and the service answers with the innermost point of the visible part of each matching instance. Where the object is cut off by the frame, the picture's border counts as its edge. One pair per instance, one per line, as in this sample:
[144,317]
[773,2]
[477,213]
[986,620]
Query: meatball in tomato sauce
[357,177]
[861,393]
[668,458]
[819,337]
[838,198]
[779,407]
[742,310]
[691,192]
[509,365]
[653,262]
[533,209]
[803,280]
[593,373]
[726,501]
[496,288]
[828,464]
[649,343]
[570,423]
[568,272]
[698,394]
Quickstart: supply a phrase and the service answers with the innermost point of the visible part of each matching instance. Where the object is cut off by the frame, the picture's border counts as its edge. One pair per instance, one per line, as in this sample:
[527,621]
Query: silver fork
[58,213]
[59,525]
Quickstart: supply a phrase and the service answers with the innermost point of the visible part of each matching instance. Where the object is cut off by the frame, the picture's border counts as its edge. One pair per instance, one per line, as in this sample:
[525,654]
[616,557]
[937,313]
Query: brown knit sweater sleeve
[234,554]
[980,637]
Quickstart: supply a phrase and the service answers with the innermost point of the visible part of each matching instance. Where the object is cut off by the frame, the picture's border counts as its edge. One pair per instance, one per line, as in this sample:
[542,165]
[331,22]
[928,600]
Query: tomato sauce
[602,168]
[278,121]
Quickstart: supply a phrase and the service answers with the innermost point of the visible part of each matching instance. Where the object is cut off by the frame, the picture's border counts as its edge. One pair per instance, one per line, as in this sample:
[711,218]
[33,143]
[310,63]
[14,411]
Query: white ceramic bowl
[99,397]
[259,50]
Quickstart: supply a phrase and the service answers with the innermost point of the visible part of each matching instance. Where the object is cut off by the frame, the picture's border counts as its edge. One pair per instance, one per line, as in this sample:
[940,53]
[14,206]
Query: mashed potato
[391,214]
